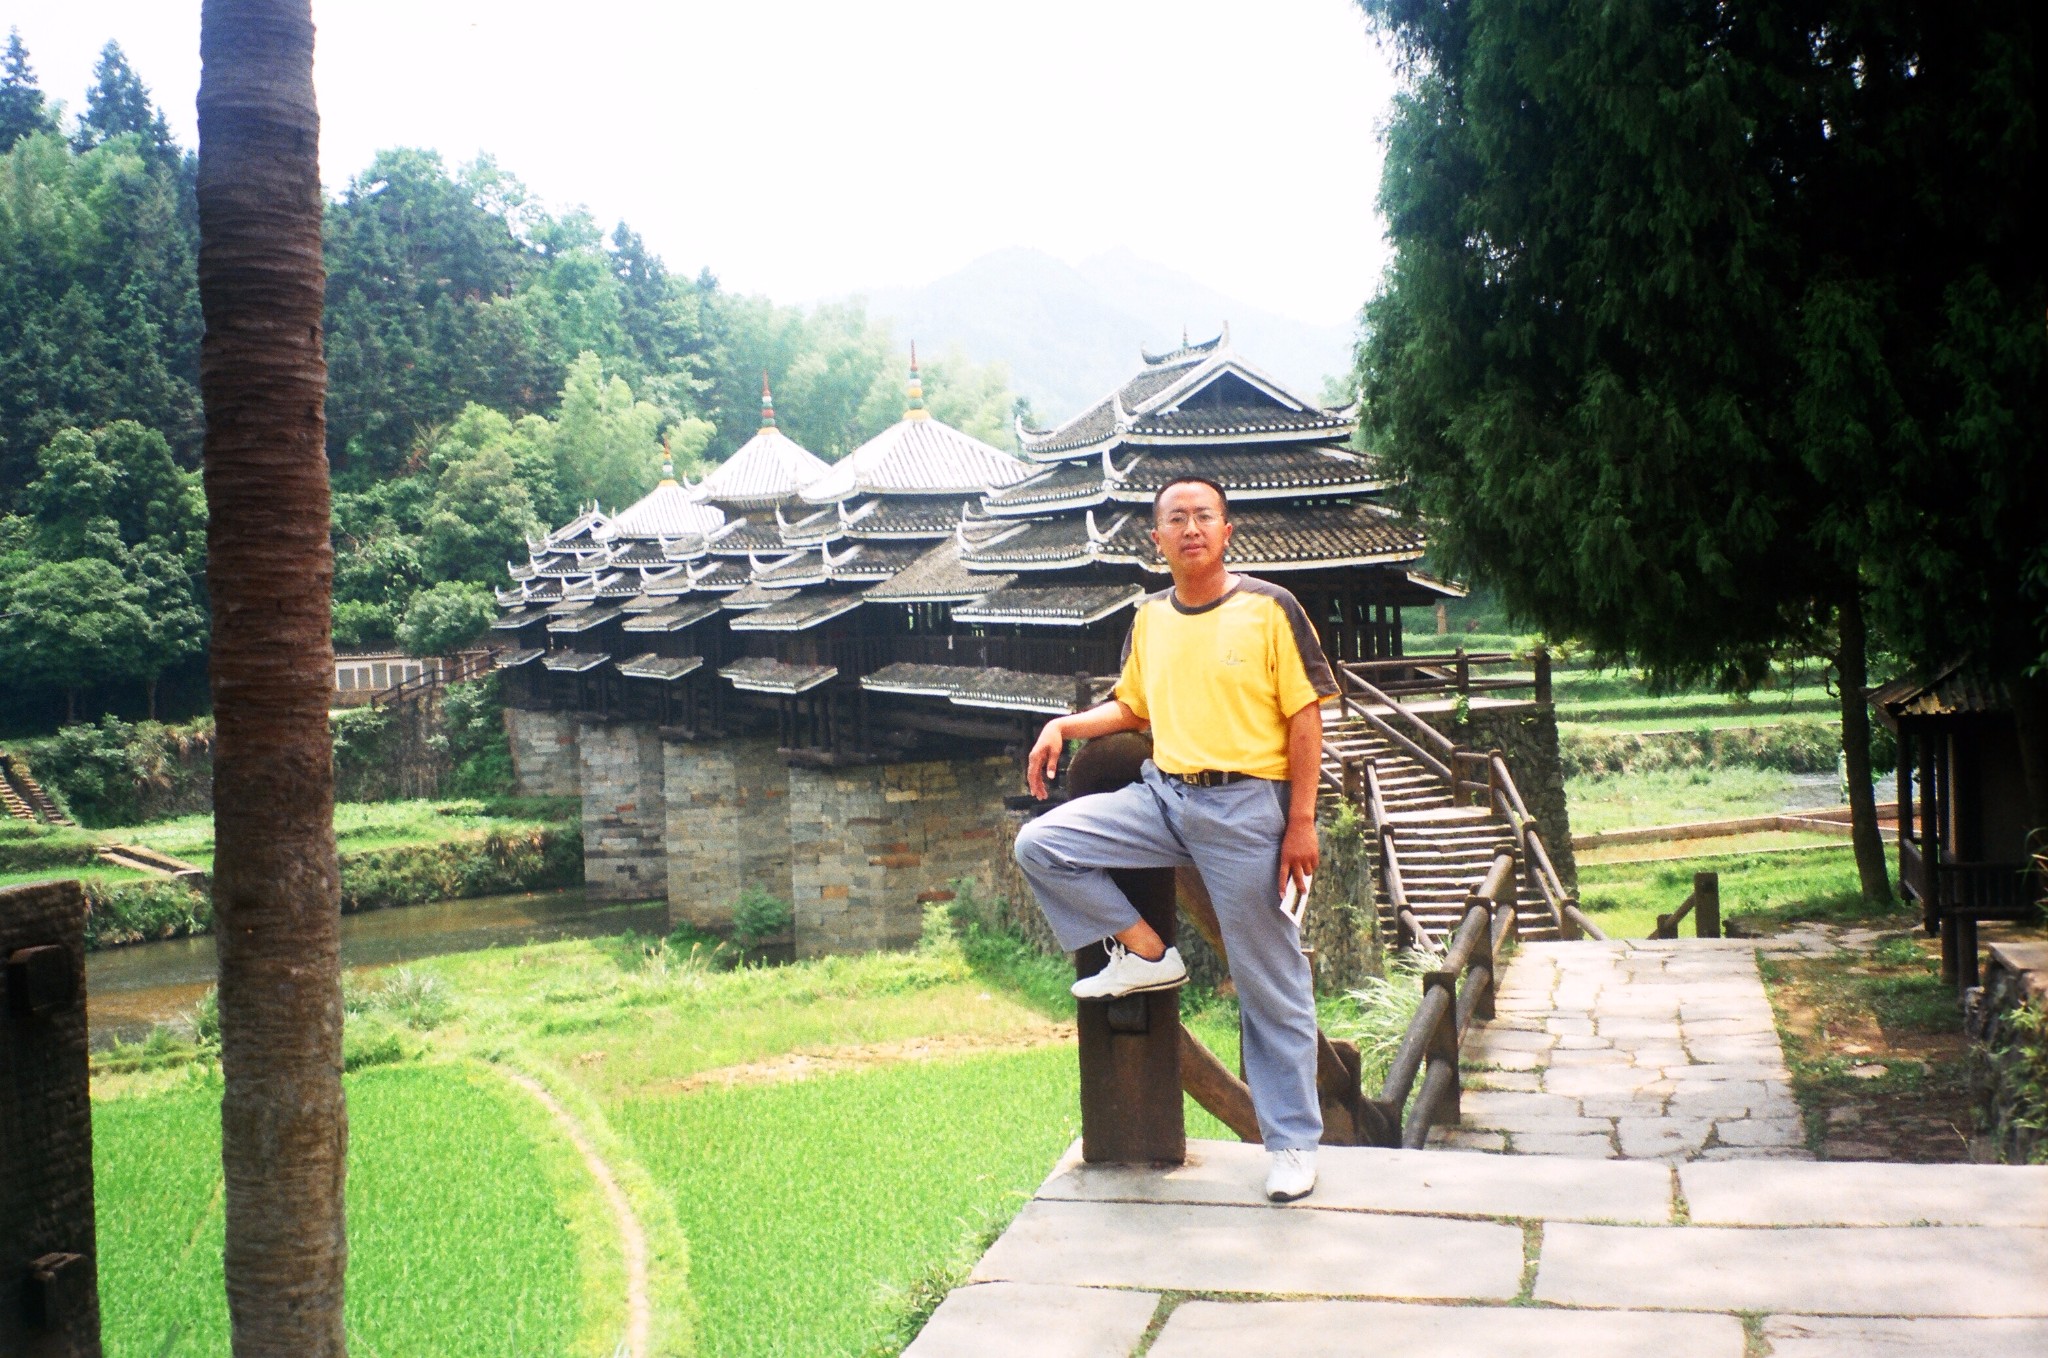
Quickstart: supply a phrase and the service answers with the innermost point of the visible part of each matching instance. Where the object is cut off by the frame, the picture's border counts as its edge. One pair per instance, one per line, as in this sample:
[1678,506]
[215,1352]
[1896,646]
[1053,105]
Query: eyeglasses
[1181,518]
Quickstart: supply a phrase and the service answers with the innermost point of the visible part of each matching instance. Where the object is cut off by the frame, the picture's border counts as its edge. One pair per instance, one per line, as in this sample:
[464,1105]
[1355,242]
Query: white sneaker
[1292,1174]
[1129,974]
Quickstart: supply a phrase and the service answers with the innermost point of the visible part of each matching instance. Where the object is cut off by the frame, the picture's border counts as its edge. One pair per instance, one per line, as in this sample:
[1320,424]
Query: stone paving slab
[1255,1249]
[1852,1193]
[1346,1329]
[1860,1337]
[1660,1050]
[1854,1270]
[1030,1320]
[1443,1183]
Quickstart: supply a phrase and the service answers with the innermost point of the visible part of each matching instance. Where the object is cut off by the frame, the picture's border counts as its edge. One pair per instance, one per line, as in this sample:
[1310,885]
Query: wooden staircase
[1440,850]
[1437,816]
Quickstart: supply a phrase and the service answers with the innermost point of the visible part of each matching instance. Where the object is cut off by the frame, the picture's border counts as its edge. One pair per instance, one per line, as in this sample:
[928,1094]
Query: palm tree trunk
[1852,669]
[270,573]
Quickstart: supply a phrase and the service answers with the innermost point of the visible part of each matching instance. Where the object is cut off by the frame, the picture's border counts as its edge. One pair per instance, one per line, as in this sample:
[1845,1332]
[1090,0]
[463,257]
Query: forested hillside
[493,362]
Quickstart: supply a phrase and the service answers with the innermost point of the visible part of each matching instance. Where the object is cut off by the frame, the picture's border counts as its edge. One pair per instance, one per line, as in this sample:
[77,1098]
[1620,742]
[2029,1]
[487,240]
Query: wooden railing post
[1464,673]
[1706,903]
[1131,1107]
[1354,781]
[1541,662]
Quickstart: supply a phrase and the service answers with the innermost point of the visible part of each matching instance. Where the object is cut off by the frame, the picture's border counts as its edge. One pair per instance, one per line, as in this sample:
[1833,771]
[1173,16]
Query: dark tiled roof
[938,576]
[1067,605]
[1098,421]
[574,662]
[904,516]
[506,660]
[755,596]
[1016,691]
[1296,537]
[673,618]
[723,575]
[1245,472]
[757,534]
[977,686]
[584,621]
[760,674]
[518,618]
[810,529]
[1222,421]
[806,610]
[932,681]
[1039,544]
[1077,483]
[861,561]
[1271,471]
[666,668]
[1956,690]
[566,607]
[639,552]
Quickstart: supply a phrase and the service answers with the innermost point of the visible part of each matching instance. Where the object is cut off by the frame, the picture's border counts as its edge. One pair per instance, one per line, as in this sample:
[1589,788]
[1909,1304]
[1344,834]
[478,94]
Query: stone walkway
[1631,1049]
[1444,1252]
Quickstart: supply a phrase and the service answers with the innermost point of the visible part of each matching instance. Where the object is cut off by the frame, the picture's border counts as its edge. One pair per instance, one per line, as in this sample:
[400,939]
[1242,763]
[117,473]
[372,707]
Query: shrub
[481,757]
[26,845]
[132,912]
[759,916]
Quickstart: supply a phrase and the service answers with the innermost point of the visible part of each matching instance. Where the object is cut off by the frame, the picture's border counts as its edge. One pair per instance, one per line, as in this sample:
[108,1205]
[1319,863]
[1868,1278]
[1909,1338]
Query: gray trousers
[1231,835]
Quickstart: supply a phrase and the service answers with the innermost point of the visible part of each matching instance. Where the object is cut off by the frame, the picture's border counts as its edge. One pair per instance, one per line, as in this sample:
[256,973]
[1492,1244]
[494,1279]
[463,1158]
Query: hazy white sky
[804,148]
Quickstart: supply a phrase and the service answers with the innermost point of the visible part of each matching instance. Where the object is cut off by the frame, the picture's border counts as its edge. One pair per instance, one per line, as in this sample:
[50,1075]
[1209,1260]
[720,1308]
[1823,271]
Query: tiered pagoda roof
[1008,573]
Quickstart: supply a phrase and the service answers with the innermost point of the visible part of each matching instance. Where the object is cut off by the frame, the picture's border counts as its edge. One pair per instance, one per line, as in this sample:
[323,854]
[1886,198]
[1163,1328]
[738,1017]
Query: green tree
[479,519]
[446,617]
[607,445]
[1680,295]
[118,104]
[73,623]
[22,110]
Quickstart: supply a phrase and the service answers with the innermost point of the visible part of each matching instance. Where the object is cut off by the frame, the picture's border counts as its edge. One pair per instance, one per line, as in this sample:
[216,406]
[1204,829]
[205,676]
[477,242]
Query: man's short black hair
[1221,494]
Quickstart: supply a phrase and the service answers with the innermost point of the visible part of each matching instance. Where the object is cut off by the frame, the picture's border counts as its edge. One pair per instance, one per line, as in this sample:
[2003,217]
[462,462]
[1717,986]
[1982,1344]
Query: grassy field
[1761,890]
[361,826]
[460,1235]
[1673,796]
[836,1140]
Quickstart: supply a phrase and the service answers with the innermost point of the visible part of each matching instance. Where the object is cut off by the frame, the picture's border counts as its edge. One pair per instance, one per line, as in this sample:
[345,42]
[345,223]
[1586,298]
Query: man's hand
[1299,853]
[1042,765]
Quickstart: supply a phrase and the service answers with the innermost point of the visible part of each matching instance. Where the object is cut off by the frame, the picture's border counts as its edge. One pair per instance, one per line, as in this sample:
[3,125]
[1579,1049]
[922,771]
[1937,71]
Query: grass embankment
[837,1139]
[392,853]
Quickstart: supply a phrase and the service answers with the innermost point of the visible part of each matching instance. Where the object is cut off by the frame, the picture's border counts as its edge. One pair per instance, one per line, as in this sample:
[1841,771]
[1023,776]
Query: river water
[132,988]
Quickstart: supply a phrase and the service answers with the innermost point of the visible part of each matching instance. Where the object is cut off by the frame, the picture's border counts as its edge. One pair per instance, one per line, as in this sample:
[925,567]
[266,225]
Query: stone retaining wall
[728,816]
[1526,736]
[625,821]
[871,847]
[543,745]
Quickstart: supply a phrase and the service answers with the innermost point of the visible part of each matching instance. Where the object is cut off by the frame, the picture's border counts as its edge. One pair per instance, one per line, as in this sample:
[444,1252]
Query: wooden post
[1464,669]
[1443,1046]
[1354,782]
[1706,903]
[1131,1109]
[1443,619]
[1541,662]
[48,1251]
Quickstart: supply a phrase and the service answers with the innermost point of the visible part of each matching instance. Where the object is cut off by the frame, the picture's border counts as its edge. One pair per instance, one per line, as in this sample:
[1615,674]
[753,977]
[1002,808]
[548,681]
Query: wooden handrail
[1457,992]
[1428,732]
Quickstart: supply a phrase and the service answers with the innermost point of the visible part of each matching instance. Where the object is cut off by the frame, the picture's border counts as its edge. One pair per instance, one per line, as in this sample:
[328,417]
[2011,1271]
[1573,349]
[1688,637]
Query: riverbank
[391,854]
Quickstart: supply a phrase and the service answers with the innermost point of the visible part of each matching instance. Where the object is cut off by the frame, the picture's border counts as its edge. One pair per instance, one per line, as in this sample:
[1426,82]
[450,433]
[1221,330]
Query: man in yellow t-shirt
[1228,674]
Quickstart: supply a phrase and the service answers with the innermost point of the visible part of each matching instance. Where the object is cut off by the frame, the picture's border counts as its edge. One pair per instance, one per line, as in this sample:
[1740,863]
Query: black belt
[1208,777]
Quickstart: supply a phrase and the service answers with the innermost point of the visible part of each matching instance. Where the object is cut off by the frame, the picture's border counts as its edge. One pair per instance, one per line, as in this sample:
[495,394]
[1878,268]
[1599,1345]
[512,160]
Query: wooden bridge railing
[1704,905]
[1479,774]
[1456,993]
[453,669]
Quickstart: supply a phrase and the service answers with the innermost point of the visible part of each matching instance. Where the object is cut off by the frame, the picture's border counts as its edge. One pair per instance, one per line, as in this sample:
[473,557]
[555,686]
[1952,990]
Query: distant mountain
[1069,334]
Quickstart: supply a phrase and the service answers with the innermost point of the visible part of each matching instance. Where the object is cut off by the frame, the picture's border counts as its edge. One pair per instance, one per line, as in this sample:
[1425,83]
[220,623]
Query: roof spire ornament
[767,403]
[668,465]
[915,409]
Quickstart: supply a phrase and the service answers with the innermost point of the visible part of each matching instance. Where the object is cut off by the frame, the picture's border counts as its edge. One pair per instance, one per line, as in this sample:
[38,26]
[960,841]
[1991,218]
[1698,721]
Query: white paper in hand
[1294,901]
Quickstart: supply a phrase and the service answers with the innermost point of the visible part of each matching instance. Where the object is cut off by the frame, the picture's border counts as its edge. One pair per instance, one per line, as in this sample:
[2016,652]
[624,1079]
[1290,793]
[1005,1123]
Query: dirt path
[632,1239]
[804,1064]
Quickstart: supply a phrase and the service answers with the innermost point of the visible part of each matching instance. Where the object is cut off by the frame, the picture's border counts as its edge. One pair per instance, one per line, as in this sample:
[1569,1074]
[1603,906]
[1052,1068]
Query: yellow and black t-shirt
[1219,682]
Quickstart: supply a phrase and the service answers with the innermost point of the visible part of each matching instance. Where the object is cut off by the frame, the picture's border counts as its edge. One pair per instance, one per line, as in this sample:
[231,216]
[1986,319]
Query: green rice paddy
[458,1242]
